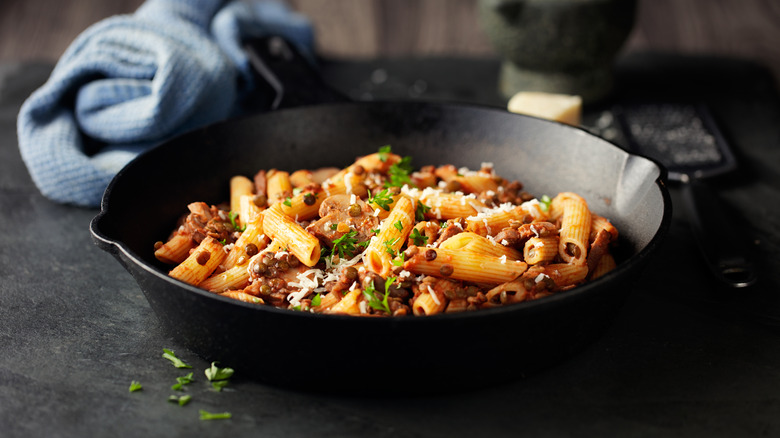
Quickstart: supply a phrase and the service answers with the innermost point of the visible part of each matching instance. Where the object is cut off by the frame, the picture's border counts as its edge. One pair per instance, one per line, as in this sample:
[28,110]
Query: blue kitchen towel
[130,82]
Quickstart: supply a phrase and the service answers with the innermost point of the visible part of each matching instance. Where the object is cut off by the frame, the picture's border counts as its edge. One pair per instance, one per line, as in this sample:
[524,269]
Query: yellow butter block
[562,108]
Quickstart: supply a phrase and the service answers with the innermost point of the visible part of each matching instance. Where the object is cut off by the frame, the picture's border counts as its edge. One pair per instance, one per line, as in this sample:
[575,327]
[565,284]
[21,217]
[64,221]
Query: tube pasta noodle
[278,186]
[377,238]
[240,186]
[391,237]
[575,229]
[540,250]
[290,234]
[200,263]
[472,242]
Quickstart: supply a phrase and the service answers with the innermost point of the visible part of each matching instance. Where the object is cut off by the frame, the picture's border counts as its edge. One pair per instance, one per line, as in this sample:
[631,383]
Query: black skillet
[448,352]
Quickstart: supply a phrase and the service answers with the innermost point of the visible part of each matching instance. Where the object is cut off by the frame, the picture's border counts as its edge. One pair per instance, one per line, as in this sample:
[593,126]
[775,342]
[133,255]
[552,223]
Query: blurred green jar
[558,46]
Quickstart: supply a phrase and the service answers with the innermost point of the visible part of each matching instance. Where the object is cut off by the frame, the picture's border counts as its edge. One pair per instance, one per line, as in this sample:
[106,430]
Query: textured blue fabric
[130,82]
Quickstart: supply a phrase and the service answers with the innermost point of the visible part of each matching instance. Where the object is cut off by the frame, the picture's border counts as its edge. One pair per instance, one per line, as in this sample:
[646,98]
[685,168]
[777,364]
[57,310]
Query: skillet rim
[114,246]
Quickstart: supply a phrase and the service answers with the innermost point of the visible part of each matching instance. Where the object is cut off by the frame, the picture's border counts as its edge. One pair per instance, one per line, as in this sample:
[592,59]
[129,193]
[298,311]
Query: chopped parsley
[398,173]
[181,400]
[389,246]
[218,376]
[232,216]
[206,415]
[171,356]
[417,238]
[317,300]
[135,386]
[382,199]
[373,301]
[217,373]
[383,153]
[344,246]
[545,202]
[287,201]
[181,381]
[399,261]
[419,212]
[398,225]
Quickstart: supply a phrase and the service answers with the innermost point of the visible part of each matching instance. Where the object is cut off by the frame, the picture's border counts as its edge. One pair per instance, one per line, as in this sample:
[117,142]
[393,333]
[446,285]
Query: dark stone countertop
[685,357]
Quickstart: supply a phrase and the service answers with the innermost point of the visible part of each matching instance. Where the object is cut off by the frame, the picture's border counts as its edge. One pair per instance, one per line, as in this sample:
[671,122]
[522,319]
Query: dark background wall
[42,29]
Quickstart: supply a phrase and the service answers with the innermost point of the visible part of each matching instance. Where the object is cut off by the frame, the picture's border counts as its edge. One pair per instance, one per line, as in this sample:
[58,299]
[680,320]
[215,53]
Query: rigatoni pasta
[378,238]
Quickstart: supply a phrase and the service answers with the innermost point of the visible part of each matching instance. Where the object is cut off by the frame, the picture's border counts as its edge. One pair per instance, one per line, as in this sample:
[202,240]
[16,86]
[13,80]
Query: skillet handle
[719,240]
[288,75]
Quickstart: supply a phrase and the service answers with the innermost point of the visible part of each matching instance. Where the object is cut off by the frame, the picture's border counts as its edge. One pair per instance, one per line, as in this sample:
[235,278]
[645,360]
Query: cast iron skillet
[345,354]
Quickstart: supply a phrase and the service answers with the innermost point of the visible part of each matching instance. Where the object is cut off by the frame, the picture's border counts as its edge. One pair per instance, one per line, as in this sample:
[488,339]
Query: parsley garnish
[287,201]
[389,246]
[383,199]
[545,202]
[344,246]
[419,212]
[398,225]
[135,386]
[373,301]
[417,238]
[398,173]
[232,216]
[399,261]
[171,356]
[384,151]
[183,400]
[317,300]
[205,415]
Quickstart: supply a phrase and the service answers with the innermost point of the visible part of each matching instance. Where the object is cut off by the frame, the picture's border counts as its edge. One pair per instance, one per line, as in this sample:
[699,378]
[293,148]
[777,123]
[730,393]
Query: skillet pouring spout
[431,354]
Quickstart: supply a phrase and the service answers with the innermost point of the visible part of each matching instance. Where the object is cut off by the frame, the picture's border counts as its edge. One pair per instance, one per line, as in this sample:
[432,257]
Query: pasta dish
[377,238]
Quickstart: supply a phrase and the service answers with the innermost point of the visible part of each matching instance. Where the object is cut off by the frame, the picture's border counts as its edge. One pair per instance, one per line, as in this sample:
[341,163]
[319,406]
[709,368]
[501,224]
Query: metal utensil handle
[720,242]
[283,70]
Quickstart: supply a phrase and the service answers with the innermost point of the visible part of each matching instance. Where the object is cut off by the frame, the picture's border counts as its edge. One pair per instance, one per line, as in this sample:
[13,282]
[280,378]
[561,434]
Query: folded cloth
[130,82]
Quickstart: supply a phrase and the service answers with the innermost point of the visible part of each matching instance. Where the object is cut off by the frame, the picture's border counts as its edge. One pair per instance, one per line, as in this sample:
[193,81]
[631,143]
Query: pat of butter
[562,108]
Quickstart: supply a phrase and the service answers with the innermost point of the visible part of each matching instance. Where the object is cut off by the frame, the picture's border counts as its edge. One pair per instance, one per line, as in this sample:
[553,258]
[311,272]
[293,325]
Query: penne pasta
[240,186]
[203,260]
[540,250]
[392,235]
[575,229]
[462,265]
[376,238]
[472,242]
[282,229]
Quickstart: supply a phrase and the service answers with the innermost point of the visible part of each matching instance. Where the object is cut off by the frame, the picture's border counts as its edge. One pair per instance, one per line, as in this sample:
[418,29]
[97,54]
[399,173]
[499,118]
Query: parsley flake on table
[135,386]
[171,356]
[206,415]
[181,381]
[181,400]
[218,376]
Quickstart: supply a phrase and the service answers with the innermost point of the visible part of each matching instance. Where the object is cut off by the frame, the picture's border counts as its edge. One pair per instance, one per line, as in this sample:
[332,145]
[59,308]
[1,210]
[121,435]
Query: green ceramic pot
[559,46]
